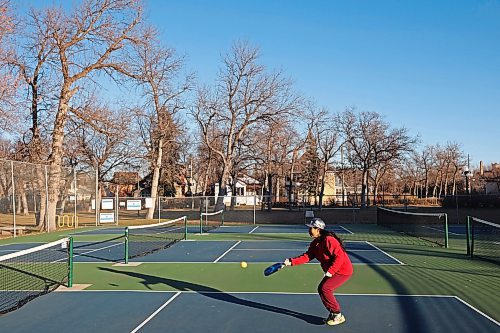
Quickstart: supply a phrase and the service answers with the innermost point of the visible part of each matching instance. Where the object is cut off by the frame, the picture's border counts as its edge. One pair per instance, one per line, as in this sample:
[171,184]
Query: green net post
[185,228]
[446,231]
[468,236]
[126,245]
[222,217]
[70,272]
[201,223]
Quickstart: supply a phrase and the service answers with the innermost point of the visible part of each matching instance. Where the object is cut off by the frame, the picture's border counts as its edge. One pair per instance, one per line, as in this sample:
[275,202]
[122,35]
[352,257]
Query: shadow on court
[410,311]
[468,266]
[148,280]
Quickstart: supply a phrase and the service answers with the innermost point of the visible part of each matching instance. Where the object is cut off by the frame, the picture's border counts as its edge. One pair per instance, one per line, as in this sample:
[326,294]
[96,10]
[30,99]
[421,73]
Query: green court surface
[426,270]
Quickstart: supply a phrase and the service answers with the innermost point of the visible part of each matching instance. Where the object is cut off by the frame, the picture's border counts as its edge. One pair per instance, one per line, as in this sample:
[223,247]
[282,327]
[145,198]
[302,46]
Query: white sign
[134,204]
[149,202]
[107,203]
[107,218]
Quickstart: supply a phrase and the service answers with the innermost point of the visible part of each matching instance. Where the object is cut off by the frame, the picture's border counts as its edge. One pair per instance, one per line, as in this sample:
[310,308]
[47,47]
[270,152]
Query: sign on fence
[107,203]
[107,218]
[149,202]
[134,204]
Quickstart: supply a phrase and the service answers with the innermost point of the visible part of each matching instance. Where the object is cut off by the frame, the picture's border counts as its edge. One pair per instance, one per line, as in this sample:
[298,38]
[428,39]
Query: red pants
[326,288]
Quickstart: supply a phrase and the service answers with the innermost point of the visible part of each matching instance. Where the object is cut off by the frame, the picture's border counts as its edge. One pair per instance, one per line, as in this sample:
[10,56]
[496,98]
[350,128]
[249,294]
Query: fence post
[97,204]
[159,209]
[117,204]
[126,245]
[70,273]
[74,199]
[254,206]
[47,228]
[13,199]
[468,236]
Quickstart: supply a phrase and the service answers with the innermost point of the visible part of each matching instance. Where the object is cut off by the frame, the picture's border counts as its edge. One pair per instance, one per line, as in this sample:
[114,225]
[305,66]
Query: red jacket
[328,251]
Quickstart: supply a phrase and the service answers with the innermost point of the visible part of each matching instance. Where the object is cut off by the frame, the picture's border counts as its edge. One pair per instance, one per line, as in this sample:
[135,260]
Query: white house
[246,191]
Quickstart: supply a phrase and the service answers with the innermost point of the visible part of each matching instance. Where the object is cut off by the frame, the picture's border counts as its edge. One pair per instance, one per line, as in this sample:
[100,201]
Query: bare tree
[268,154]
[370,142]
[423,160]
[456,162]
[94,38]
[245,96]
[100,140]
[156,71]
[8,80]
[31,62]
[326,134]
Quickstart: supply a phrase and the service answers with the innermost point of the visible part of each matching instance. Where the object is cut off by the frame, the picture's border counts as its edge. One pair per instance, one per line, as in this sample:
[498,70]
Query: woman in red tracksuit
[329,250]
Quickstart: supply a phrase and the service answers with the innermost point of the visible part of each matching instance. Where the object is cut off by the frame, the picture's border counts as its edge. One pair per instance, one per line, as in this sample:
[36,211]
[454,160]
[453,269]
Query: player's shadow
[149,280]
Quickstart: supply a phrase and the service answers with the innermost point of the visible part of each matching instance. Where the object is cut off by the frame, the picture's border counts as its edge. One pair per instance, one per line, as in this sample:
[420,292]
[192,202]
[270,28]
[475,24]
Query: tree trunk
[219,205]
[364,187]
[155,181]
[55,160]
[53,191]
[24,203]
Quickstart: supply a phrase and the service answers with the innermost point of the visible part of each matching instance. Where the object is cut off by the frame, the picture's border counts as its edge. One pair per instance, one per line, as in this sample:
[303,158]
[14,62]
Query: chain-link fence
[23,197]
[83,201]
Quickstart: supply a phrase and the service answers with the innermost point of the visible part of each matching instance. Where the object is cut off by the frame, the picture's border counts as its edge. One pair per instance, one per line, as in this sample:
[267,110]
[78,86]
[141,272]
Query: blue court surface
[184,311]
[216,252]
[233,229]
[186,306]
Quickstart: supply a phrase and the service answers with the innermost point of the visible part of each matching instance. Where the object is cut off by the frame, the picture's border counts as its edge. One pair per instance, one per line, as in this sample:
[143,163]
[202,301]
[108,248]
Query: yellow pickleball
[243,264]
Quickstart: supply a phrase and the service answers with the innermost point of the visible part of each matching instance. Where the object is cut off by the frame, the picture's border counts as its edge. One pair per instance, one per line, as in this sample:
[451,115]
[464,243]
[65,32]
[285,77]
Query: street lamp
[467,174]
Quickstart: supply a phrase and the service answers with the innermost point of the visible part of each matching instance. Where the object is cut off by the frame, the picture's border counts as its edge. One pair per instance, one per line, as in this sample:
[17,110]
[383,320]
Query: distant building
[247,190]
[491,178]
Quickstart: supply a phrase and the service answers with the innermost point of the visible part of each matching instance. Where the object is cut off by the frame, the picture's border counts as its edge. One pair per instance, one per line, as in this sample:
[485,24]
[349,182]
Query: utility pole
[342,166]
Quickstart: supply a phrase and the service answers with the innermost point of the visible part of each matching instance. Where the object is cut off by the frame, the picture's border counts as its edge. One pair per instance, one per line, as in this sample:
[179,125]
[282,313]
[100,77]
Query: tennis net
[145,239]
[209,221]
[27,274]
[427,226]
[485,239]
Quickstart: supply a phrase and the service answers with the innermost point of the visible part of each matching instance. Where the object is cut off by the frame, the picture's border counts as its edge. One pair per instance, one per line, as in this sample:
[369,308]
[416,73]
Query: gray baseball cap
[316,223]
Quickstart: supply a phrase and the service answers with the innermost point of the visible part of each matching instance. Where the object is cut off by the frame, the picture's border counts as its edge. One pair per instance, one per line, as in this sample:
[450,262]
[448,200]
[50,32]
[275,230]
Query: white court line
[442,231]
[345,229]
[301,249]
[232,247]
[473,308]
[81,254]
[156,312]
[229,263]
[251,231]
[387,254]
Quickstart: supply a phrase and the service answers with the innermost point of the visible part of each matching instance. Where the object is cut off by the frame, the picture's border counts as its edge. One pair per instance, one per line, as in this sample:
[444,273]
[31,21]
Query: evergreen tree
[310,167]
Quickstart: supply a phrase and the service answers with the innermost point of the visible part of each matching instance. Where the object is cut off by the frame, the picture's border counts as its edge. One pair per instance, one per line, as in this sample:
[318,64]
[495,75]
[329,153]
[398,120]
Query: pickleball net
[432,227]
[484,239]
[28,274]
[145,239]
[210,221]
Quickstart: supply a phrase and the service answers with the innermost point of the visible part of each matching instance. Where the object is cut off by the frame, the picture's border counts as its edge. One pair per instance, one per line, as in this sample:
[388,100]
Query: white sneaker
[335,319]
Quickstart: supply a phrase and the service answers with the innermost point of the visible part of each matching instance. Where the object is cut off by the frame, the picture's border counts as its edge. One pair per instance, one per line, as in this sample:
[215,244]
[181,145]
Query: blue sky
[431,66]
